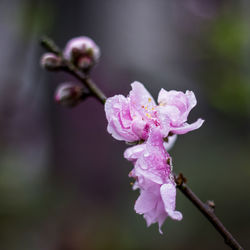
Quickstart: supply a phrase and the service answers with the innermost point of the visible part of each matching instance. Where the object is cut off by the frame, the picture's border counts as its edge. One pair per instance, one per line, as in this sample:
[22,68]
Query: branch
[69,67]
[206,209]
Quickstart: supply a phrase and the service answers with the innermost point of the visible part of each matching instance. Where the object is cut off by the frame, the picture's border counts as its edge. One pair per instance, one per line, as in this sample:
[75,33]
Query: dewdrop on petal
[68,94]
[82,51]
[50,61]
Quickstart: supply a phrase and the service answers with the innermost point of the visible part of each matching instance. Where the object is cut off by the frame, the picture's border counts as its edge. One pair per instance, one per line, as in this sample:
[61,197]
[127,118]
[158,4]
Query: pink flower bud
[51,61]
[84,62]
[82,51]
[69,94]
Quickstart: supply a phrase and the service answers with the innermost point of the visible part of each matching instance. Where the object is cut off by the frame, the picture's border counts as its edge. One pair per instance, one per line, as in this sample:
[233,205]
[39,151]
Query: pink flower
[82,51]
[137,117]
[152,172]
[131,118]
[175,107]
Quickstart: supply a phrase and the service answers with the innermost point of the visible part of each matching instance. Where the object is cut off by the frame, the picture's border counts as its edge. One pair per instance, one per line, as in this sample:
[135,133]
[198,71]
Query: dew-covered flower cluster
[137,119]
[153,127]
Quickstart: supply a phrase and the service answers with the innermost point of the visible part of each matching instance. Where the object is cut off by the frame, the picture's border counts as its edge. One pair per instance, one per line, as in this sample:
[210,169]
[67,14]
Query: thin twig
[180,180]
[207,211]
[69,67]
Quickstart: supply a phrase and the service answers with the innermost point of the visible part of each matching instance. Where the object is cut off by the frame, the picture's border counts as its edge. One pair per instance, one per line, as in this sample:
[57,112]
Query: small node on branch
[70,94]
[180,179]
[211,204]
[51,62]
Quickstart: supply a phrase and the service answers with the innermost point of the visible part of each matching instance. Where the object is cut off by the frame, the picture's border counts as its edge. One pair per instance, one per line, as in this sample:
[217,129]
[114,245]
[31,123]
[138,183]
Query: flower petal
[173,98]
[133,153]
[185,128]
[140,128]
[176,105]
[145,202]
[191,99]
[119,119]
[141,102]
[140,95]
[168,195]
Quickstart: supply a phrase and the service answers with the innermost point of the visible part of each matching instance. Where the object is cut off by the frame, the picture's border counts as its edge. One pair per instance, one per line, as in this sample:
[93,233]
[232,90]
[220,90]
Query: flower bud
[69,94]
[82,51]
[51,61]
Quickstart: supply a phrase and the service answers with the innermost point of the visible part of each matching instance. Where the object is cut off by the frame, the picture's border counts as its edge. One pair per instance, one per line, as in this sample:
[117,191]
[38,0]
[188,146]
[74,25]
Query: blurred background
[63,178]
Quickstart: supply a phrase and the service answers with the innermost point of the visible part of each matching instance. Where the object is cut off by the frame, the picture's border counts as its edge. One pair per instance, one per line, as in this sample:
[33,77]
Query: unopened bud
[51,61]
[69,94]
[85,62]
[82,51]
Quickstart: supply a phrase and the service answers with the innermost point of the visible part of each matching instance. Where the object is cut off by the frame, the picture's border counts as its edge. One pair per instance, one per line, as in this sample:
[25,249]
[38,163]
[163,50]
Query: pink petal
[191,99]
[164,120]
[140,128]
[139,94]
[158,214]
[114,105]
[133,153]
[119,133]
[185,128]
[168,195]
[173,98]
[176,105]
[119,119]
[191,103]
[145,202]
[142,169]
[155,138]
[162,215]
[141,102]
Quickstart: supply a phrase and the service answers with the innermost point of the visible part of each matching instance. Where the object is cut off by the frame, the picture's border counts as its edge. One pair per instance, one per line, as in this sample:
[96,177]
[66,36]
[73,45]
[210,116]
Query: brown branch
[206,209]
[69,67]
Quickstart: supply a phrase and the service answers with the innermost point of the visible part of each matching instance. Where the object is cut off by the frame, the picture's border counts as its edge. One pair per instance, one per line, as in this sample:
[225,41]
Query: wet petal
[145,202]
[185,128]
[168,194]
